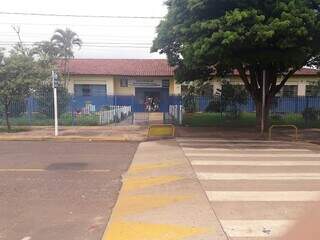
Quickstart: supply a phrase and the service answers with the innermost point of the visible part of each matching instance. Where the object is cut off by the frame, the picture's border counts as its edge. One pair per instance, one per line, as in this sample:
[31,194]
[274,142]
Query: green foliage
[191,97]
[229,33]
[245,120]
[202,38]
[311,114]
[44,98]
[233,95]
[215,105]
[19,73]
[47,52]
[65,40]
[230,98]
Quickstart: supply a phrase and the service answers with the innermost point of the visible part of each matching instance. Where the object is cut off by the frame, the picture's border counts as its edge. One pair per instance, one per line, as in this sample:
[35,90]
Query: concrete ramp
[161,198]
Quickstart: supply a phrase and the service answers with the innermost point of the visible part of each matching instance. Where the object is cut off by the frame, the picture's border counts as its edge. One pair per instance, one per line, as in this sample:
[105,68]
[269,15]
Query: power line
[95,46]
[92,44]
[79,16]
[76,25]
[86,43]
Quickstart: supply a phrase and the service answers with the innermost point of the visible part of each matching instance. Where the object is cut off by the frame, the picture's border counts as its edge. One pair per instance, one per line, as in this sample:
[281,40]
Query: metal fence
[301,111]
[37,110]
[176,113]
[115,114]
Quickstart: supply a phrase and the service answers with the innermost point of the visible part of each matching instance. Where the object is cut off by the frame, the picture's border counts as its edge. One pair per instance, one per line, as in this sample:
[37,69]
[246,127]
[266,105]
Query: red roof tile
[121,67]
[136,67]
[307,71]
[301,72]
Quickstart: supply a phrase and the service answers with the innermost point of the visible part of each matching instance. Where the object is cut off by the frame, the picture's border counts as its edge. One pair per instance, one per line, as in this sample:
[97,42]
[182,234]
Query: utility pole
[55,83]
[263,102]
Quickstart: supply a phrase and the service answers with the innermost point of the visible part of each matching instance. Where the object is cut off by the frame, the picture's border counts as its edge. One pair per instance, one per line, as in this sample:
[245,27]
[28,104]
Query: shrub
[44,100]
[311,114]
[214,106]
[276,117]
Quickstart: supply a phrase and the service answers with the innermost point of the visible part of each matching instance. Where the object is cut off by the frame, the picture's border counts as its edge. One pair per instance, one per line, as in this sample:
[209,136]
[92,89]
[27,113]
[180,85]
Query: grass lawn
[245,120]
[64,120]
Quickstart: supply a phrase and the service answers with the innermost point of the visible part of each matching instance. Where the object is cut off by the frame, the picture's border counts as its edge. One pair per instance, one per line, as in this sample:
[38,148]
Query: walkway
[161,199]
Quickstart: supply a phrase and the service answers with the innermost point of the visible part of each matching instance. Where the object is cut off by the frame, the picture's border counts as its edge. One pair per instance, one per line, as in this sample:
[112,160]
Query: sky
[102,37]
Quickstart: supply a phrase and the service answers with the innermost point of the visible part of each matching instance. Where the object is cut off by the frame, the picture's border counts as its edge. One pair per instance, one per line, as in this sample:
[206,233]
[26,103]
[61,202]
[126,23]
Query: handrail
[283,126]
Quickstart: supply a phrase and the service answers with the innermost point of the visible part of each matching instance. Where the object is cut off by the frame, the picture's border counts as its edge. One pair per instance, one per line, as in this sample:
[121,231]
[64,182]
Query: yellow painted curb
[161,130]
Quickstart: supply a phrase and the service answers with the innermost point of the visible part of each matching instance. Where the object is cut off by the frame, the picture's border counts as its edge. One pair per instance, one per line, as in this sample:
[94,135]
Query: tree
[18,74]
[232,97]
[46,52]
[194,90]
[203,38]
[66,40]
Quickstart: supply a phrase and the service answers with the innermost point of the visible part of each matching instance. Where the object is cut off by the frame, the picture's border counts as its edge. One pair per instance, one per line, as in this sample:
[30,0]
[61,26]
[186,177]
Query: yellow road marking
[135,183]
[140,167]
[132,204]
[148,231]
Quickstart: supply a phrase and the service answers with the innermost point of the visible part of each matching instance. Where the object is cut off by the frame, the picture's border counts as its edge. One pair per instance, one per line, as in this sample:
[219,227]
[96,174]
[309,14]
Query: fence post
[29,109]
[180,114]
[132,109]
[306,115]
[72,111]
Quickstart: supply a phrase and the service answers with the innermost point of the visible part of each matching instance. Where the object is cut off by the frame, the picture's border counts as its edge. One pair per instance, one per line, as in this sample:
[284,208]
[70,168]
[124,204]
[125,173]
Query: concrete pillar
[302,88]
[177,89]
[110,86]
[70,86]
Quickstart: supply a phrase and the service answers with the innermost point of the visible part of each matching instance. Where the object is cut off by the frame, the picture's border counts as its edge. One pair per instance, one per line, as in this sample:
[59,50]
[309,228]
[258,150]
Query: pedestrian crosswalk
[257,189]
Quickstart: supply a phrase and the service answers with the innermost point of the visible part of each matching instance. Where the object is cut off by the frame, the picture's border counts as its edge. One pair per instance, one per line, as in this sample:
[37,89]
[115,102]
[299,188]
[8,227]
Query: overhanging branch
[277,88]
[242,73]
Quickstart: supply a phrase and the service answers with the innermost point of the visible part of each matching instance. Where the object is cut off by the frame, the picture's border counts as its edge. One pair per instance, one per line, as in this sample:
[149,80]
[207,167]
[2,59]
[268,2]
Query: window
[290,91]
[312,91]
[165,83]
[123,82]
[86,90]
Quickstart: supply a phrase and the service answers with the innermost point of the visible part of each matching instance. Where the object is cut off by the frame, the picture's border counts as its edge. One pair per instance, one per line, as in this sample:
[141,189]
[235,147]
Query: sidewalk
[162,199]
[100,133]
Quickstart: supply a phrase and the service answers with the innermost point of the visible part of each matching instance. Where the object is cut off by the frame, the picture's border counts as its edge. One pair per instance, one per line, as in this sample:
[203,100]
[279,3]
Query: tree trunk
[6,107]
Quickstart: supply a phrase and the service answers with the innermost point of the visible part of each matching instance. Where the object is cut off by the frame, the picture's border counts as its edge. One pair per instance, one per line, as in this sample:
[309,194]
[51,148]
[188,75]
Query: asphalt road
[53,190]
[257,189]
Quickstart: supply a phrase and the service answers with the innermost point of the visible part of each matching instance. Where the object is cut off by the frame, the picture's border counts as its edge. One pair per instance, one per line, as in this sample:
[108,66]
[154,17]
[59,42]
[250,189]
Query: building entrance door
[151,99]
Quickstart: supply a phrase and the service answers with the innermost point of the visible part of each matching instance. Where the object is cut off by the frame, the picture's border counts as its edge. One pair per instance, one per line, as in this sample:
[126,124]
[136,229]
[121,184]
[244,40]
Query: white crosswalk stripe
[255,163]
[263,196]
[237,164]
[189,149]
[241,155]
[258,176]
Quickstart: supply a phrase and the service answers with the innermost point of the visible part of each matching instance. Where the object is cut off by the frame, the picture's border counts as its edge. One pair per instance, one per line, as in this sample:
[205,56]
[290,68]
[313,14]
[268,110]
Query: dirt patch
[131,133]
[308,135]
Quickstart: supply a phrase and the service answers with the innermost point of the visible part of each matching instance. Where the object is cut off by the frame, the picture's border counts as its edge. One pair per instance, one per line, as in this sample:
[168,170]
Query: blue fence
[76,110]
[280,104]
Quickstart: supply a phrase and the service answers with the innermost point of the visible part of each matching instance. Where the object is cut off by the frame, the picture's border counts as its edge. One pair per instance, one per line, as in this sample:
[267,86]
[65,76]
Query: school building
[123,78]
[139,79]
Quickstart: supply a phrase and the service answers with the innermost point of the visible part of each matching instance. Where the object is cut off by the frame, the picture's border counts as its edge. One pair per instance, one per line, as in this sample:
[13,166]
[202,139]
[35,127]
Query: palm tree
[66,40]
